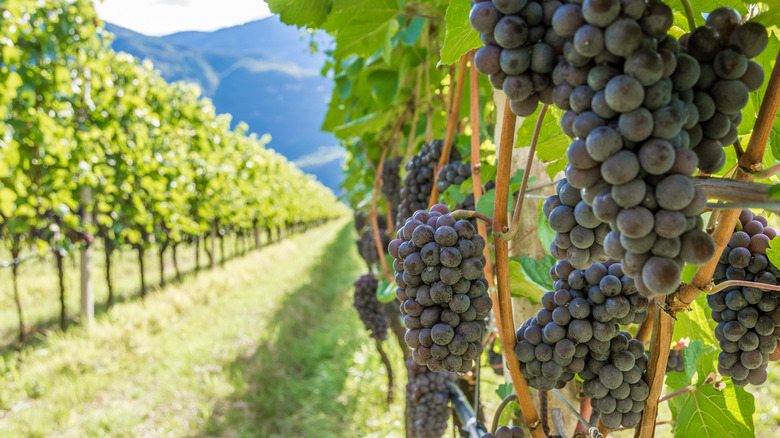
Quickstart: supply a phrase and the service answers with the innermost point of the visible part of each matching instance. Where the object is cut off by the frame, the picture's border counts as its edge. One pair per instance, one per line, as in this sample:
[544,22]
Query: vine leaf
[773,252]
[361,27]
[363,124]
[460,36]
[384,86]
[543,230]
[774,192]
[712,413]
[386,291]
[538,271]
[695,324]
[521,284]
[311,13]
[691,354]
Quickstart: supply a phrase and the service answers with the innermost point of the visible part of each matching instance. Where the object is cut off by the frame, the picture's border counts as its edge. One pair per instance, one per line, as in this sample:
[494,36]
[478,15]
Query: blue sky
[162,17]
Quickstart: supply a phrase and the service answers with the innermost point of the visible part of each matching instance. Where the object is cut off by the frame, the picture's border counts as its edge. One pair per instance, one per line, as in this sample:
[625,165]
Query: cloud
[320,157]
[162,17]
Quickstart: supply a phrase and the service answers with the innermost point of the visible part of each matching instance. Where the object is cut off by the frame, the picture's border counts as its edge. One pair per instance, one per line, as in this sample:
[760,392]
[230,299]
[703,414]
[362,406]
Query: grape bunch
[369,308]
[419,180]
[506,432]
[439,265]
[391,182]
[615,385]
[427,400]
[578,331]
[675,363]
[453,173]
[579,234]
[520,49]
[367,246]
[723,47]
[627,90]
[747,317]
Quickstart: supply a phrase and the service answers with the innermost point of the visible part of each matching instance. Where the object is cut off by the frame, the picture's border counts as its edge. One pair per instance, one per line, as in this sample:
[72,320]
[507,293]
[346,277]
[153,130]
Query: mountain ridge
[262,73]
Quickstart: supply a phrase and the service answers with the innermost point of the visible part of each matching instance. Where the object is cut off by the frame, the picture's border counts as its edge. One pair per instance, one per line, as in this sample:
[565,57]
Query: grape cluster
[615,385]
[419,180]
[579,234]
[427,400]
[391,182]
[506,432]
[675,363]
[747,317]
[578,332]
[626,88]
[367,246]
[453,173]
[439,265]
[369,308]
[520,49]
[723,47]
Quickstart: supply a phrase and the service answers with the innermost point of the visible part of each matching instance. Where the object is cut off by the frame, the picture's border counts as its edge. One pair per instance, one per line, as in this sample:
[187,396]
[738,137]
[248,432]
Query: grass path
[266,346]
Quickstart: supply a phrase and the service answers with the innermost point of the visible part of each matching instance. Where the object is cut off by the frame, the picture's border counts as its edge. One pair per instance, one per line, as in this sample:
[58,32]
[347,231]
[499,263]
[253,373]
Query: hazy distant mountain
[263,73]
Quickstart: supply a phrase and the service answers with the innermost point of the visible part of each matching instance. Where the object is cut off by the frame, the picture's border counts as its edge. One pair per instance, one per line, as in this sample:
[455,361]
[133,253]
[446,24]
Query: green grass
[268,346]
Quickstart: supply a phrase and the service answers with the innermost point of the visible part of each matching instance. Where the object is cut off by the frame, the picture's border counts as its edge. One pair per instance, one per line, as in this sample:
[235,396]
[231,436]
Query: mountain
[263,73]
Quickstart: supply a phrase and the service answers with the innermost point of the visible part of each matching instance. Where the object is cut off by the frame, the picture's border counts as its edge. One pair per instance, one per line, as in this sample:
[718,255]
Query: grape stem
[643,332]
[415,118]
[386,362]
[766,173]
[374,220]
[365,155]
[502,304]
[668,306]
[574,411]
[452,120]
[514,230]
[508,399]
[733,283]
[468,214]
[689,14]
[769,206]
[733,190]
[476,161]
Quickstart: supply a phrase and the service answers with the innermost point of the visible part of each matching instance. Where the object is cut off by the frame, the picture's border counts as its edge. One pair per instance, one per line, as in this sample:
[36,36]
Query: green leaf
[487,203]
[460,36]
[691,354]
[773,252]
[386,291]
[488,172]
[504,390]
[361,27]
[552,142]
[384,86]
[538,271]
[310,13]
[774,192]
[708,412]
[770,17]
[412,31]
[363,124]
[696,323]
[520,285]
[543,230]
[555,167]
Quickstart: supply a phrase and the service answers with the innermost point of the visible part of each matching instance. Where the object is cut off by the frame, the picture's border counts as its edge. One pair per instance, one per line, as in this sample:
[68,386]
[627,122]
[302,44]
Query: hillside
[263,73]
